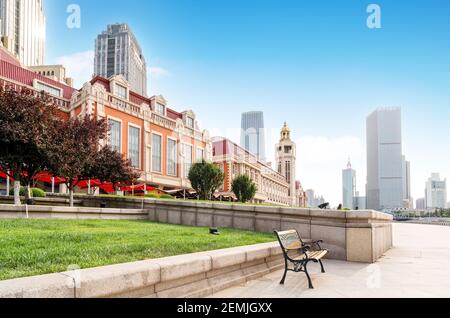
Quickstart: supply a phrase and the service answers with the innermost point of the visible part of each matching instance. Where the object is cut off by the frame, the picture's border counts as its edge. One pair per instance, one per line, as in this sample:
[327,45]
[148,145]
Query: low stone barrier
[193,275]
[77,213]
[357,236]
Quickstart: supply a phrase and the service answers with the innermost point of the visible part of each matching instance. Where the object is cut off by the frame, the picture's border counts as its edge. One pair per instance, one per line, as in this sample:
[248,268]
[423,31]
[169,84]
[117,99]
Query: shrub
[167,197]
[152,196]
[244,188]
[205,178]
[35,192]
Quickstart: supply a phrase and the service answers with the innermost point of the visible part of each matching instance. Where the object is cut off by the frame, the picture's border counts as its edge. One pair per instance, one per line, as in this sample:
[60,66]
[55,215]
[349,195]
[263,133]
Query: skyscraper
[407,199]
[22,30]
[384,160]
[436,192]
[348,186]
[117,52]
[253,134]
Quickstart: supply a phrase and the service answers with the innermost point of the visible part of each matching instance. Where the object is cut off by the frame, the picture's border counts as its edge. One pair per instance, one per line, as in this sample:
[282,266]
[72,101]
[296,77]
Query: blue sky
[314,64]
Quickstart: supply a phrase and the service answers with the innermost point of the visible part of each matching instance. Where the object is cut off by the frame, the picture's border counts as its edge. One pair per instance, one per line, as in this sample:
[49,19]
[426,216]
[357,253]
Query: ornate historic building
[159,141]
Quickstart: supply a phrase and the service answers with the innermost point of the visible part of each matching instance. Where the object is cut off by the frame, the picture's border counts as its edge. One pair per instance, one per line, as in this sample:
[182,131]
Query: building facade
[436,192]
[359,202]
[253,137]
[234,160]
[408,202]
[117,52]
[159,141]
[313,200]
[348,187]
[384,160]
[22,30]
[285,159]
[420,204]
[55,72]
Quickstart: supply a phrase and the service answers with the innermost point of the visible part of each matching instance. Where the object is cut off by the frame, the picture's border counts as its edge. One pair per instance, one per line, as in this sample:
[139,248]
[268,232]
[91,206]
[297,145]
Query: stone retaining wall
[193,275]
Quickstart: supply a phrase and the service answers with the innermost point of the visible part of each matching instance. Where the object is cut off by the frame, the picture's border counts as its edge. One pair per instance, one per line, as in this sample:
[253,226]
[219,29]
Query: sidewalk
[417,266]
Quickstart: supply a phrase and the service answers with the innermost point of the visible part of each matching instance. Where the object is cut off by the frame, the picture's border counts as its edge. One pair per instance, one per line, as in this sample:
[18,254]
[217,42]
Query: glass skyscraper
[384,160]
[253,134]
[117,52]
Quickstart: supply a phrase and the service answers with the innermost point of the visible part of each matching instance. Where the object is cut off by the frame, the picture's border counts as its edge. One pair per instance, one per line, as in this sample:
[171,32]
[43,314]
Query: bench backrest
[289,240]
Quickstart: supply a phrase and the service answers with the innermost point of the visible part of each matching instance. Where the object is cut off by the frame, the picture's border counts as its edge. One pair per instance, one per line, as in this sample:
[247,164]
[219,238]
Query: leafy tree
[27,121]
[110,166]
[244,188]
[205,178]
[74,149]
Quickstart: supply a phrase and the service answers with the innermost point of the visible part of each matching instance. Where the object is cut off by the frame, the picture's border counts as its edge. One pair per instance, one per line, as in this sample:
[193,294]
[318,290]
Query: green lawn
[34,247]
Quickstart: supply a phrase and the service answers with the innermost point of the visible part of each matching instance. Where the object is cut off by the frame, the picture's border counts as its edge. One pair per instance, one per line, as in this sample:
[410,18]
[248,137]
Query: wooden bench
[297,253]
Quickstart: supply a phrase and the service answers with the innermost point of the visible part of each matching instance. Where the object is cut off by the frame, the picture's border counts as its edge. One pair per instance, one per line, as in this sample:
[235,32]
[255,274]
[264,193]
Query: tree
[244,188]
[27,121]
[110,166]
[74,149]
[205,178]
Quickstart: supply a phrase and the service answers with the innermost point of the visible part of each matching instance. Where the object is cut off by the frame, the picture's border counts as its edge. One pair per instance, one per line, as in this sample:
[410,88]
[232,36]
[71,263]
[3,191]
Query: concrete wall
[359,236]
[66,213]
[193,275]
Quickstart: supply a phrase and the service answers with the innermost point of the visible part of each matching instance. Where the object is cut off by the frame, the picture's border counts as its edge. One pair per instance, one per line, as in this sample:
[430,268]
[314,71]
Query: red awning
[139,187]
[47,177]
[4,175]
[85,184]
[107,187]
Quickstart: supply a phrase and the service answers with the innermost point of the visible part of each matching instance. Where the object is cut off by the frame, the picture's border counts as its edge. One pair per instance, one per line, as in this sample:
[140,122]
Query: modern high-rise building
[286,152]
[384,160]
[117,52]
[253,134]
[348,186]
[407,199]
[22,30]
[420,204]
[436,192]
[359,202]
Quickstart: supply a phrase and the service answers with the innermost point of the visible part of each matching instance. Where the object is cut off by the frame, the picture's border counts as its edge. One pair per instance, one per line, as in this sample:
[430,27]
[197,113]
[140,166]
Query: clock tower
[286,159]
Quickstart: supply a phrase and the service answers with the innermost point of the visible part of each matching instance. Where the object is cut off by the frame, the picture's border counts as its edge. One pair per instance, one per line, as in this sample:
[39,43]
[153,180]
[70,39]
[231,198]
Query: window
[121,91]
[115,135]
[187,159]
[133,146]
[172,157]
[160,109]
[288,172]
[48,89]
[190,122]
[156,153]
[199,155]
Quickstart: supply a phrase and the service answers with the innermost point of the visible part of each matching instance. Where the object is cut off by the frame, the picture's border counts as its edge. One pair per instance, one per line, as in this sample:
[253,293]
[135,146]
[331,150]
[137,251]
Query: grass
[35,247]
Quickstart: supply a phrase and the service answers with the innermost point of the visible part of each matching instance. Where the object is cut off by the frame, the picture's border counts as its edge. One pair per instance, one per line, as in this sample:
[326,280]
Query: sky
[313,64]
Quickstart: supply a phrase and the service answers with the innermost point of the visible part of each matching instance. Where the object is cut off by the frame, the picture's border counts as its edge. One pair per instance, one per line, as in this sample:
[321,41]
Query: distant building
[384,160]
[55,72]
[359,202]
[22,30]
[436,192]
[286,152]
[420,204]
[407,199]
[301,198]
[253,134]
[313,200]
[348,186]
[234,160]
[117,52]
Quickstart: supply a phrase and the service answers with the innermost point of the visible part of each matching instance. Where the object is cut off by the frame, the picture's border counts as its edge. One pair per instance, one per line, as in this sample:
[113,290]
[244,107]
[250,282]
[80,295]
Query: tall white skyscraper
[22,30]
[117,52]
[348,186]
[253,134]
[436,192]
[407,199]
[384,160]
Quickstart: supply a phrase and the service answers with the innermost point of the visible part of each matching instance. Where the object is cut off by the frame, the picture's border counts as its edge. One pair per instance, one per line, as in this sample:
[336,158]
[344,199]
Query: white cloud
[320,161]
[79,66]
[156,72]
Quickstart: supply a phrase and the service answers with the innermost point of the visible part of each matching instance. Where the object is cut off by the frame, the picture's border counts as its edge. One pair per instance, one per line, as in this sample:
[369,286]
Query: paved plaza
[417,266]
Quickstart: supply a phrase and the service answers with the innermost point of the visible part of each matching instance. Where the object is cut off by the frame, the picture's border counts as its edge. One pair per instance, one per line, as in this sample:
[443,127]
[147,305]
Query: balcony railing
[163,121]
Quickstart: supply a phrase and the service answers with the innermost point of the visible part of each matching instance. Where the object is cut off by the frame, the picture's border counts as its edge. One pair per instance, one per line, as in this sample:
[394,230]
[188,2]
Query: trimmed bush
[35,192]
[167,197]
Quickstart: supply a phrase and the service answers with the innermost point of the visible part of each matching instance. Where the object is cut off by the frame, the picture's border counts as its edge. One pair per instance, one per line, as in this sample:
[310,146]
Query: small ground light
[214,231]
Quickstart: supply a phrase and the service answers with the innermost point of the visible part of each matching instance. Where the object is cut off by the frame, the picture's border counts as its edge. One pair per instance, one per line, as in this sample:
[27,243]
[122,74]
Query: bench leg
[284,277]
[321,266]
[310,285]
